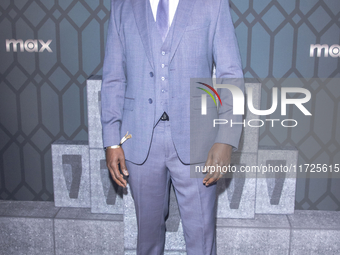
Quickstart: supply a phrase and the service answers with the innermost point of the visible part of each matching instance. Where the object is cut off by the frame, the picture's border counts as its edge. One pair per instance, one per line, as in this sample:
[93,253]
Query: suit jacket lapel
[183,13]
[141,16]
[182,16]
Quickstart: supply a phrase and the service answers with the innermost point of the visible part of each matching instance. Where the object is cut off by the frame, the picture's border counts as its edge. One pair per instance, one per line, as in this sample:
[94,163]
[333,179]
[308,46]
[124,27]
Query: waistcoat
[160,53]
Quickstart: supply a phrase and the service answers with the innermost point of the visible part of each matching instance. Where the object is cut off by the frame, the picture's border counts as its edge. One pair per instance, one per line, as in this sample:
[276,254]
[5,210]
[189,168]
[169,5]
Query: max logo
[333,50]
[29,45]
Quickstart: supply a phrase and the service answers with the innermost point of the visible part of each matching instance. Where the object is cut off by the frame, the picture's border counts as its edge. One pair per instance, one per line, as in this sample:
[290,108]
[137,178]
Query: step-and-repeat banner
[48,48]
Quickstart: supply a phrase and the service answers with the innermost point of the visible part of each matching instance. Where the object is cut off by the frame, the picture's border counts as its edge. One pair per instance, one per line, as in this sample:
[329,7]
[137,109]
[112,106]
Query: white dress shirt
[172,9]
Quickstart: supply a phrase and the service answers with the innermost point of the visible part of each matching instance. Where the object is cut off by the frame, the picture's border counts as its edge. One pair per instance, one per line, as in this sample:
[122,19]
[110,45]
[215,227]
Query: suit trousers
[150,182]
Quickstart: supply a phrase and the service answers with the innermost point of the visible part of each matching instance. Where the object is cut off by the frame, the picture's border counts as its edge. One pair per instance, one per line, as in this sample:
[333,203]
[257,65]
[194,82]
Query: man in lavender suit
[153,49]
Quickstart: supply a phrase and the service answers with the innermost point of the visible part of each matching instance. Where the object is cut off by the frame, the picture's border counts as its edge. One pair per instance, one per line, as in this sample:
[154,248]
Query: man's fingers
[115,173]
[211,168]
[119,176]
[115,176]
[207,177]
[116,179]
[206,169]
[123,166]
[218,157]
[212,179]
[213,174]
[113,158]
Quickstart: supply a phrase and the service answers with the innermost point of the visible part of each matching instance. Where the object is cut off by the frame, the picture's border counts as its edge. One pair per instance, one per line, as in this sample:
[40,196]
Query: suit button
[151,74]
[150,101]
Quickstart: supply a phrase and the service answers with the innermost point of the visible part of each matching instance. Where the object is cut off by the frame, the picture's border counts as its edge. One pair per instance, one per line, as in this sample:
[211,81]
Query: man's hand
[220,155]
[113,158]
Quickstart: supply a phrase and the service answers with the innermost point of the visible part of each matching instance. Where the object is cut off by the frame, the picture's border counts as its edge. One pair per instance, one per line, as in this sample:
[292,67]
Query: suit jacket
[203,36]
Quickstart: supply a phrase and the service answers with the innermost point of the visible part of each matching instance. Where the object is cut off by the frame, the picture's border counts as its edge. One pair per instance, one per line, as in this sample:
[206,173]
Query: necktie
[163,17]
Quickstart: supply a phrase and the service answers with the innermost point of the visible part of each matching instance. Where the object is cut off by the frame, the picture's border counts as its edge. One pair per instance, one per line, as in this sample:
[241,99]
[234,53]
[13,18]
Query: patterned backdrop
[59,43]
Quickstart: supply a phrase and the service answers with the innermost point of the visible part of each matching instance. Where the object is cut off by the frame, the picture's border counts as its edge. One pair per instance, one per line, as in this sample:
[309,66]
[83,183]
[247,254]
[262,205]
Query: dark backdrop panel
[43,94]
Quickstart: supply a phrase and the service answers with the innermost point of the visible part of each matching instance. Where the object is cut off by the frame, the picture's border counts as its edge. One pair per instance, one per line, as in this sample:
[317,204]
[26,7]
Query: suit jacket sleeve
[228,71]
[114,82]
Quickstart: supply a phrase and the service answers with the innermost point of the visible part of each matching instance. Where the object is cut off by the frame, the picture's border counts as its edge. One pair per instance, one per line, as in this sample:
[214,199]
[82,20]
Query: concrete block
[27,227]
[130,252]
[94,110]
[174,252]
[33,209]
[275,191]
[315,232]
[259,221]
[315,242]
[106,195]
[26,235]
[78,231]
[86,214]
[134,252]
[71,177]
[236,191]
[4,204]
[265,234]
[310,219]
[250,135]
